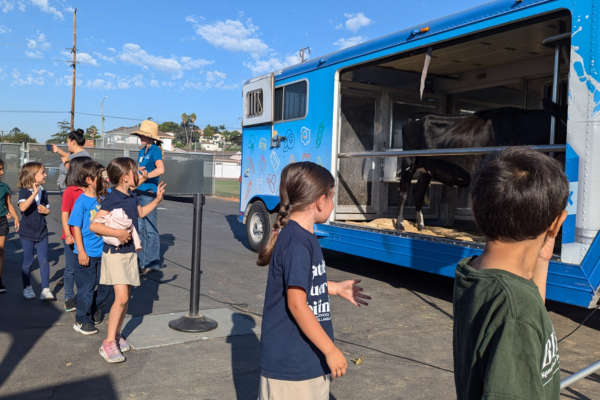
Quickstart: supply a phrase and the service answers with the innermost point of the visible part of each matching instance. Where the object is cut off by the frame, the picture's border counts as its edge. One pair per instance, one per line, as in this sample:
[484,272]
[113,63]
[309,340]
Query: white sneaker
[28,292]
[47,294]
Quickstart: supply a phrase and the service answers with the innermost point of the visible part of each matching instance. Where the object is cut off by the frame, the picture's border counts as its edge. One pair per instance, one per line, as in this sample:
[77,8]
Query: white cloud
[191,18]
[259,67]
[42,72]
[193,85]
[21,6]
[100,84]
[123,84]
[39,42]
[112,49]
[134,54]
[67,81]
[353,41]
[15,73]
[83,58]
[356,21]
[233,36]
[154,83]
[105,58]
[211,76]
[34,54]
[45,7]
[7,5]
[69,9]
[169,84]
[31,43]
[138,82]
[4,29]
[110,75]
[29,80]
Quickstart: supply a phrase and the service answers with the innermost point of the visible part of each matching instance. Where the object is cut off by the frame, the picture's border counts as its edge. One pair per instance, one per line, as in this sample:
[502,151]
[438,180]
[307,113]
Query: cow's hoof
[420,227]
[400,226]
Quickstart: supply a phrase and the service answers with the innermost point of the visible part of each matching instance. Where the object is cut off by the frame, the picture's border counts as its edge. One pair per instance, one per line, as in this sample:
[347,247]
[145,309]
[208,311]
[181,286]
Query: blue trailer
[345,111]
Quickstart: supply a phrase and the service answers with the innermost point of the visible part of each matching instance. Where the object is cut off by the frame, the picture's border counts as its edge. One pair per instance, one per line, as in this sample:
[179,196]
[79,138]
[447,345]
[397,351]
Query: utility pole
[302,52]
[74,51]
[102,119]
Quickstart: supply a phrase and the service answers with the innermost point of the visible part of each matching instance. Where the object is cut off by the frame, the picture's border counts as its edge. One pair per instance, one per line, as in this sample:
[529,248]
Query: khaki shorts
[311,389]
[119,269]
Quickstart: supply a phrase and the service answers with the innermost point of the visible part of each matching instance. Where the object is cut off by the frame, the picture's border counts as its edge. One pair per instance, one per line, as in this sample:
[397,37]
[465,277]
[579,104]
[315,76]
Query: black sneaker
[2,288]
[97,317]
[85,329]
[70,305]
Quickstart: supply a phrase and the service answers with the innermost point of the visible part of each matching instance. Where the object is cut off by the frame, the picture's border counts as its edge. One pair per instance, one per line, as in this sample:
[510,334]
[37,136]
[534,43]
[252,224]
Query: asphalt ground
[404,336]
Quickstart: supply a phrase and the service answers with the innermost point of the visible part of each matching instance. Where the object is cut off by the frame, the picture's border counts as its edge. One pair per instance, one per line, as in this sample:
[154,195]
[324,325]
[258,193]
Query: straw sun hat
[149,129]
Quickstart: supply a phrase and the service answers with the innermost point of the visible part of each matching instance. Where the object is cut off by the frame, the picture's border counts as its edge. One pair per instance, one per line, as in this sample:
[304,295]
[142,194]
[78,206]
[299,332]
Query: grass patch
[227,188]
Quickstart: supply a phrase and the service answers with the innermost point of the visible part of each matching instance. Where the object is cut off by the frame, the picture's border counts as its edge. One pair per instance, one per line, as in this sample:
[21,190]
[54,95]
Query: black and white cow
[508,126]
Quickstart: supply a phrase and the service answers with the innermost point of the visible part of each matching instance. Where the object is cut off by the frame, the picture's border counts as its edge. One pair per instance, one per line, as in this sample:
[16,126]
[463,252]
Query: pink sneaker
[122,343]
[110,352]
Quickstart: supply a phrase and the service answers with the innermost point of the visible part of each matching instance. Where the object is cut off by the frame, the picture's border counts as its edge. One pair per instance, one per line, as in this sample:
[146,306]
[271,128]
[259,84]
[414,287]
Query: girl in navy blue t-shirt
[33,233]
[119,264]
[297,354]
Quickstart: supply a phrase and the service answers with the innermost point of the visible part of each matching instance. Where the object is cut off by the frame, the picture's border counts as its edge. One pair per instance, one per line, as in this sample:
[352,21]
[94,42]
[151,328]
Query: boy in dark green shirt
[504,342]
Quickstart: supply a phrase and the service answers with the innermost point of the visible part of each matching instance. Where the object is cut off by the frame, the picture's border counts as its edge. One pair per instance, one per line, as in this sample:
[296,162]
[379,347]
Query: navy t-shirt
[129,203]
[33,224]
[285,352]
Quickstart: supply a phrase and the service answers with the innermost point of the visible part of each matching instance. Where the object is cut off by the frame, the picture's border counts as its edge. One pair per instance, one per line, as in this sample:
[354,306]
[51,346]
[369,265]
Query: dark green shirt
[4,190]
[504,342]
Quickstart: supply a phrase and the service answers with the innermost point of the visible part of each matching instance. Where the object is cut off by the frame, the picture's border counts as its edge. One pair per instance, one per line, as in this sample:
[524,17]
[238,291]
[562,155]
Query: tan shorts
[311,389]
[119,269]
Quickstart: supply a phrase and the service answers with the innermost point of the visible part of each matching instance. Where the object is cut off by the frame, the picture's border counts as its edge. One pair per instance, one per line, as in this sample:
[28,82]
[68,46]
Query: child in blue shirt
[33,233]
[6,210]
[88,246]
[298,357]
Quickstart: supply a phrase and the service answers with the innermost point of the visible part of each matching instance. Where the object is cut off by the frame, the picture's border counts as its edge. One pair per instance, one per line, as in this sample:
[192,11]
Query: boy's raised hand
[160,191]
[349,291]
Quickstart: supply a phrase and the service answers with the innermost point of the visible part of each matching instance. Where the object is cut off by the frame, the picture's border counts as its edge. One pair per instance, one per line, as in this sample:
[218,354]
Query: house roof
[473,15]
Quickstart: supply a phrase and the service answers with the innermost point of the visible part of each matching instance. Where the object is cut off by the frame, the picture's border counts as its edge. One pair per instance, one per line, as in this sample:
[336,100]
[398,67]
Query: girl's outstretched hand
[349,291]
[160,191]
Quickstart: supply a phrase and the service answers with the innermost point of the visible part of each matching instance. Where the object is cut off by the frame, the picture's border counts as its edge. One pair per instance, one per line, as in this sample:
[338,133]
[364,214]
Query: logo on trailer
[263,163]
[274,160]
[289,141]
[259,184]
[250,165]
[305,135]
[251,143]
[262,144]
[306,157]
[320,133]
[292,159]
[319,162]
[248,190]
[272,180]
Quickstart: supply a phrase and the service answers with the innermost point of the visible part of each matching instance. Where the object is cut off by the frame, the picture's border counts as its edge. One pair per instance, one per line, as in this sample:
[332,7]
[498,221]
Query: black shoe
[70,305]
[97,317]
[85,329]
[2,288]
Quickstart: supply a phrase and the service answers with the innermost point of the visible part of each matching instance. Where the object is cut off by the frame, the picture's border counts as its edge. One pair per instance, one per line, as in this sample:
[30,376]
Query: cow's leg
[419,197]
[407,170]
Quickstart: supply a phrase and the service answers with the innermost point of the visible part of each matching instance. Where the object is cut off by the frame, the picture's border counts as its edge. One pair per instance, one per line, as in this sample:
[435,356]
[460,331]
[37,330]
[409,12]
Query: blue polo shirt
[148,158]
[129,203]
[33,224]
[83,213]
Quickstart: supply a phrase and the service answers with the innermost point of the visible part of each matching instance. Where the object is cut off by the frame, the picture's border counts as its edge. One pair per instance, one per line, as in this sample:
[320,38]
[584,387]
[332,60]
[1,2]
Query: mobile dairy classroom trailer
[345,111]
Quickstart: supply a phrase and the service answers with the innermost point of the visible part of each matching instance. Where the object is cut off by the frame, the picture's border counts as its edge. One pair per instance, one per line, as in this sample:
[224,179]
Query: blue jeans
[149,256]
[42,253]
[69,274]
[88,296]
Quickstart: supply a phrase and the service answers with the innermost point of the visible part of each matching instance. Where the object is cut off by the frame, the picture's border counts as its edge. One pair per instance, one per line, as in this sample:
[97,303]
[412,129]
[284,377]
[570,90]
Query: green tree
[92,133]
[169,126]
[149,119]
[17,136]
[64,127]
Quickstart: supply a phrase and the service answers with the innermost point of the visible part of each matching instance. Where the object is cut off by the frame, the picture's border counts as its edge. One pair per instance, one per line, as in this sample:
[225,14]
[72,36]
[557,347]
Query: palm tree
[184,118]
[193,118]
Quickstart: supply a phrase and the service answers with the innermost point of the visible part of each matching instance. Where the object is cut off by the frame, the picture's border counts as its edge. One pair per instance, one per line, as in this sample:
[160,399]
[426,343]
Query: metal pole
[579,375]
[196,255]
[193,321]
[555,83]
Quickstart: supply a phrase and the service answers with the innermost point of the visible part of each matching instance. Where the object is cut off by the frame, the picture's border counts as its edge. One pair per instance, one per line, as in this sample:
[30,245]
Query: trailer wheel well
[250,205]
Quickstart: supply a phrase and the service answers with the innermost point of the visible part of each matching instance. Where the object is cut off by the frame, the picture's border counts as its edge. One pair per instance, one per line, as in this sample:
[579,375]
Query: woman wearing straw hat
[150,158]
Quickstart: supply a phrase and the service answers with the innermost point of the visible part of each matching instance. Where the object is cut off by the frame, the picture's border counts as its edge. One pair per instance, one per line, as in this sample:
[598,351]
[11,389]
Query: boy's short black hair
[517,193]
[1,162]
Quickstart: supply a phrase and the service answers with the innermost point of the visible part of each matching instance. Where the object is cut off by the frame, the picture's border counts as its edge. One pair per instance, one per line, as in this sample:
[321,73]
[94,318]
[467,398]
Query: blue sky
[160,59]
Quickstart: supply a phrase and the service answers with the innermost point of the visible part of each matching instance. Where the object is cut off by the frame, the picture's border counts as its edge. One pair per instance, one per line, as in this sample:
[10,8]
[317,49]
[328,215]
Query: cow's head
[560,113]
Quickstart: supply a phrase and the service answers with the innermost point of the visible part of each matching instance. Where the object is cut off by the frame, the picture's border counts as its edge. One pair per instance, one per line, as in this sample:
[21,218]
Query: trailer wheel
[258,225]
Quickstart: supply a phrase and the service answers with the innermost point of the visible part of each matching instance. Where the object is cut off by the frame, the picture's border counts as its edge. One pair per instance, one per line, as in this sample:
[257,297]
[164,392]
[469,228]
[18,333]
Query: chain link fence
[185,173]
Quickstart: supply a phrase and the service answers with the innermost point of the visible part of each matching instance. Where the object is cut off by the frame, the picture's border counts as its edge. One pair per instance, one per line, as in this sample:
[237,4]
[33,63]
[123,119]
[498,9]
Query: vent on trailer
[258,100]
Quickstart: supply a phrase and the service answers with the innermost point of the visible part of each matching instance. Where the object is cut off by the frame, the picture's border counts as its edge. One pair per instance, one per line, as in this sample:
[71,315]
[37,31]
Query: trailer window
[291,101]
[254,103]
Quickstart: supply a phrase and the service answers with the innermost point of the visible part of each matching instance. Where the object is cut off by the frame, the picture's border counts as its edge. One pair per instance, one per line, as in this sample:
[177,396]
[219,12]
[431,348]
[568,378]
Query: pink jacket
[117,219]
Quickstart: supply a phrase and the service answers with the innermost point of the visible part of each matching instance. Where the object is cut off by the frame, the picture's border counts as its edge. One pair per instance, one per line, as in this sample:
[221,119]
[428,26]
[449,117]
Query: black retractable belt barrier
[193,321]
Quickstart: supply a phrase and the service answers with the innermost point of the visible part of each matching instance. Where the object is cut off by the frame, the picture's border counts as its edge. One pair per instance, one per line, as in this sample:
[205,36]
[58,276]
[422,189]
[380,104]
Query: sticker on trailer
[305,136]
[272,180]
[263,163]
[320,133]
[262,144]
[251,143]
[259,184]
[248,190]
[250,165]
[274,160]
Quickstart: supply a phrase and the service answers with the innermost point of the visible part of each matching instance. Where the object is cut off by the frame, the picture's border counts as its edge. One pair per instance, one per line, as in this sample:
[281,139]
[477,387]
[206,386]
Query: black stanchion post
[193,321]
